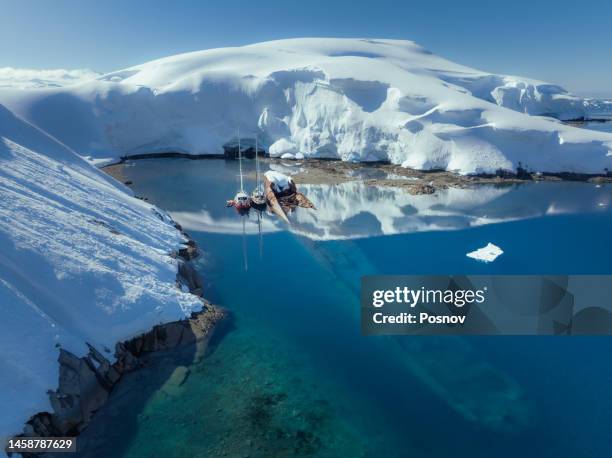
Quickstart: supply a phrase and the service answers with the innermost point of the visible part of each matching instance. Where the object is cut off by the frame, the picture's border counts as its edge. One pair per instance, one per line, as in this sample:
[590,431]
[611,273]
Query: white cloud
[27,78]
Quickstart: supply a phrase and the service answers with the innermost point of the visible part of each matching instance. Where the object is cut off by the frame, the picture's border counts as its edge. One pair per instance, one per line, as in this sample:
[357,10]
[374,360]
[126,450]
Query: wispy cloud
[27,78]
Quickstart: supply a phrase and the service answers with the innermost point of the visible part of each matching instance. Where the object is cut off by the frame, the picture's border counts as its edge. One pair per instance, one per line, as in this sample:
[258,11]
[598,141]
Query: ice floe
[488,253]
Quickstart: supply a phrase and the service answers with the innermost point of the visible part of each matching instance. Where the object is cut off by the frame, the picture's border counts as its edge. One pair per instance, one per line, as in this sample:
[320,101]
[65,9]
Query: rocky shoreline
[85,383]
[332,171]
[316,171]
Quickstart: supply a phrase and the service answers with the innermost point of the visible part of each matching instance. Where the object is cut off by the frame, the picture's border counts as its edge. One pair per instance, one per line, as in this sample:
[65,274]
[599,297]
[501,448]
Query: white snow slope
[353,99]
[80,261]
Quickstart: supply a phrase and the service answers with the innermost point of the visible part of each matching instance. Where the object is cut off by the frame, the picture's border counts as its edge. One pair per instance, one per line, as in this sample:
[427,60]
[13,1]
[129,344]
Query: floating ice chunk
[279,180]
[486,254]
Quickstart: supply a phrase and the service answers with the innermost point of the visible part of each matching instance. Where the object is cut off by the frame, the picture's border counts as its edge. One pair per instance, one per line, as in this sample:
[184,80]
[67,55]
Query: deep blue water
[292,376]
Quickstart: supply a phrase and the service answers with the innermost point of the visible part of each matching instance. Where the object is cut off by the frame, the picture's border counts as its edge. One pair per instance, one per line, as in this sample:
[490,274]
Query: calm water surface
[600,126]
[290,374]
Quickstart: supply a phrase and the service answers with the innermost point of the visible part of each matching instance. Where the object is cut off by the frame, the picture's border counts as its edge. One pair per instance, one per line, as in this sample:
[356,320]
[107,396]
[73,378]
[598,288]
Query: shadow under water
[162,374]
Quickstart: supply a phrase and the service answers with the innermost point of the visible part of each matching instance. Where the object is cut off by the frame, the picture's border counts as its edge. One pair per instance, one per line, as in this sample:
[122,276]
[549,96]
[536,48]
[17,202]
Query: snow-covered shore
[351,99]
[81,261]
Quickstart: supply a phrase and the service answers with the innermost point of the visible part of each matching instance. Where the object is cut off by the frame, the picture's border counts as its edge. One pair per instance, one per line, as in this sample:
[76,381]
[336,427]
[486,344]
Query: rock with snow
[279,181]
[488,253]
[81,261]
[350,99]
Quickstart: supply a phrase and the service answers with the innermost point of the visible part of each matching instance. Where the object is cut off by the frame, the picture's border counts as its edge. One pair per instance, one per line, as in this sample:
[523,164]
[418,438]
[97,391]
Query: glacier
[348,99]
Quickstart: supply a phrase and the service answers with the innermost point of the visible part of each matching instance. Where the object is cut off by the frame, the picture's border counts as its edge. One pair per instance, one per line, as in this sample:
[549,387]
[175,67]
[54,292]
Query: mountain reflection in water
[356,210]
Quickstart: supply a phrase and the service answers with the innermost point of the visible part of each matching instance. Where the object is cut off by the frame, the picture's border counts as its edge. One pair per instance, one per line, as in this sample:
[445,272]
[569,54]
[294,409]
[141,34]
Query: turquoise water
[290,375]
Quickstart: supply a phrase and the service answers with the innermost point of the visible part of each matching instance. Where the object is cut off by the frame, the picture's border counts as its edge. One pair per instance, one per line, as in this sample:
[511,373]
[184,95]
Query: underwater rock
[176,380]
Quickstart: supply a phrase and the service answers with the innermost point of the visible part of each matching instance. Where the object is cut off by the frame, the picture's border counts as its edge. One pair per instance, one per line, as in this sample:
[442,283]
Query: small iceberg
[488,253]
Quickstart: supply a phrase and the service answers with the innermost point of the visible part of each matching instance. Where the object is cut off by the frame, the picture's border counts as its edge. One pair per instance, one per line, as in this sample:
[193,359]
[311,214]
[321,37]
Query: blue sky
[561,41]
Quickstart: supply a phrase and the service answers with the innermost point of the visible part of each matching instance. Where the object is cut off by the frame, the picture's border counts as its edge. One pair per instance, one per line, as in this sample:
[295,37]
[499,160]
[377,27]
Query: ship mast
[256,164]
[240,162]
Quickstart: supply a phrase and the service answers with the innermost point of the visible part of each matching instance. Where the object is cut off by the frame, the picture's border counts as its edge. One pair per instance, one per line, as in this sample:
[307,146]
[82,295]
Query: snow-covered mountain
[353,99]
[80,261]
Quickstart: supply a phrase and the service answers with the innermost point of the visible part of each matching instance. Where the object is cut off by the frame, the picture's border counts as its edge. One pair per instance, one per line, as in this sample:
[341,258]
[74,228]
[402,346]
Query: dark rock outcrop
[86,382]
[187,275]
